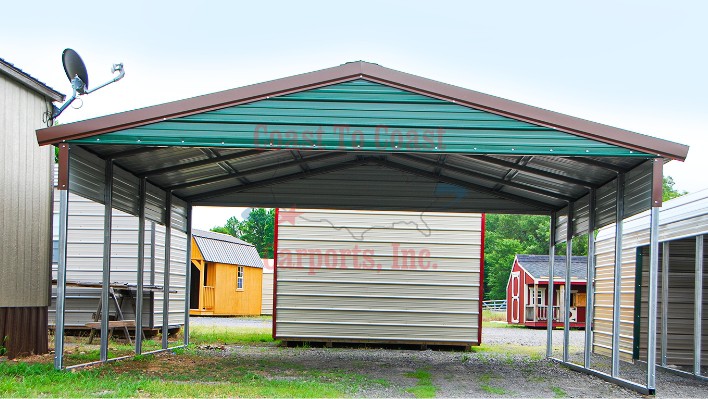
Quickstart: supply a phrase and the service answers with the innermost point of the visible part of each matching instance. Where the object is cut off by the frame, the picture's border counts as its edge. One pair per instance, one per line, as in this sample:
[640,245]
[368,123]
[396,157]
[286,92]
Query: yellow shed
[227,276]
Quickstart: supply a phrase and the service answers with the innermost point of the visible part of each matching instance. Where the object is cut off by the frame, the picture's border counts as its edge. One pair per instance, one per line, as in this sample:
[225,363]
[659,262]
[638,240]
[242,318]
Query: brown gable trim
[374,73]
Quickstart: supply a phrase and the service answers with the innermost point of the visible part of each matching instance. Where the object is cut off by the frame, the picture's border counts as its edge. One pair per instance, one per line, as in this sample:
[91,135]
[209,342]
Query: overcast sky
[637,65]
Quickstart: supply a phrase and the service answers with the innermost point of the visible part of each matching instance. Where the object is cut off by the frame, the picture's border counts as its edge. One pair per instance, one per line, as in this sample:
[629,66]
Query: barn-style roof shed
[361,136]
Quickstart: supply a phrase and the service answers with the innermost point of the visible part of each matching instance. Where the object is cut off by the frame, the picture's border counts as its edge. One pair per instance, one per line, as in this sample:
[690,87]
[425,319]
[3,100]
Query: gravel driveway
[516,368]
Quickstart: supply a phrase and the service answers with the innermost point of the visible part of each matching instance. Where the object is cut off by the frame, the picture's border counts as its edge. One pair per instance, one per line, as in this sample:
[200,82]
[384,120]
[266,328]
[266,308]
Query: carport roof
[315,140]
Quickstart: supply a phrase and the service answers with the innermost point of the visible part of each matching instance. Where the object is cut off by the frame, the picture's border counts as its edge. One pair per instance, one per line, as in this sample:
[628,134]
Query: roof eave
[375,73]
[28,81]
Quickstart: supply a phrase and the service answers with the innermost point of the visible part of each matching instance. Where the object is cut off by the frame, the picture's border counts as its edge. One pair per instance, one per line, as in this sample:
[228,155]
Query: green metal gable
[361,115]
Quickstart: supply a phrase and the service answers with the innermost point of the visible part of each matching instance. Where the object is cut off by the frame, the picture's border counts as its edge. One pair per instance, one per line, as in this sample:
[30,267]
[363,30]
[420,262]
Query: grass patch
[504,351]
[485,380]
[180,376]
[489,315]
[558,392]
[424,388]
[497,324]
[203,335]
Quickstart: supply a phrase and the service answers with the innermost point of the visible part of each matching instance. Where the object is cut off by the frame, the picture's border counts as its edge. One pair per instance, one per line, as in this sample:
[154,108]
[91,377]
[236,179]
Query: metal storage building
[85,265]
[362,136]
[373,276]
[683,289]
[25,211]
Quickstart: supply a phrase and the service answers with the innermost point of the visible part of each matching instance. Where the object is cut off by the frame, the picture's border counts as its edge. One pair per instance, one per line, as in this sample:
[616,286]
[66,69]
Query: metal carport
[361,136]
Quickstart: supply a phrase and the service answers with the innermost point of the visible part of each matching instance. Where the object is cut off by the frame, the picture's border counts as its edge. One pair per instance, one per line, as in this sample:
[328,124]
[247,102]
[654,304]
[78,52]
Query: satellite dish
[74,67]
[78,76]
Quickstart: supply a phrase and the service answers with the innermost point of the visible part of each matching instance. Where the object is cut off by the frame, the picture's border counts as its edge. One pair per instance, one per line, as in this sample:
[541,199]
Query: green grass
[558,392]
[424,388]
[504,351]
[180,376]
[202,335]
[485,385]
[489,315]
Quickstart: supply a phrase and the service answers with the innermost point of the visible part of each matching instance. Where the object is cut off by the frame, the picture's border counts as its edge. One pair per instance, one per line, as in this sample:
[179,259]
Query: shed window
[239,279]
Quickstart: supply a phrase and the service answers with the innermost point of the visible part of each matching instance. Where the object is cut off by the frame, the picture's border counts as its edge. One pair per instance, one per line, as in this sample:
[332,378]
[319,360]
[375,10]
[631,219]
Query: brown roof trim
[374,73]
[28,81]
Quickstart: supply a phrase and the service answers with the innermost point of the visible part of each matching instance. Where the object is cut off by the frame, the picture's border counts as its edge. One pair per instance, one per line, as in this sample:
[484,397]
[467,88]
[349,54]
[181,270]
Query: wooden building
[378,277]
[25,212]
[683,287]
[267,306]
[527,291]
[227,276]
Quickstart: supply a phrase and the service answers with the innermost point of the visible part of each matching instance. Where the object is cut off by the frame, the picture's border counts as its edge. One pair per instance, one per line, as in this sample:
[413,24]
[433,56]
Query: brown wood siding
[23,330]
[25,199]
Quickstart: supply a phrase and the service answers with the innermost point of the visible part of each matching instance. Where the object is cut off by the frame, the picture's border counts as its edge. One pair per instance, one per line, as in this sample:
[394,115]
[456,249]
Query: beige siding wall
[679,219]
[267,304]
[387,276]
[25,199]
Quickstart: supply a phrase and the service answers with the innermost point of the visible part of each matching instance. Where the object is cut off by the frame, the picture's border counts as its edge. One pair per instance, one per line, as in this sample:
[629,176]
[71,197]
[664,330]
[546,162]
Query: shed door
[515,290]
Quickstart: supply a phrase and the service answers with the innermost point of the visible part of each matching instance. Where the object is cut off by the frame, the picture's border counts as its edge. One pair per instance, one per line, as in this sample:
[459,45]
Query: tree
[257,229]
[669,192]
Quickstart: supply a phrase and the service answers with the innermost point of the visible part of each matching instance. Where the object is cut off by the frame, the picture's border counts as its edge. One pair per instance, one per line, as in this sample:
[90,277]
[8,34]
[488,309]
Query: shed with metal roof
[527,293]
[226,276]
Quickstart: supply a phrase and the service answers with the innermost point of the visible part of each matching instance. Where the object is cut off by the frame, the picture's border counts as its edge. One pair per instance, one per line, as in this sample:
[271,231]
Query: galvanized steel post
[105,283]
[141,268]
[617,287]
[665,267]
[61,262]
[651,305]
[590,284]
[549,307]
[566,299]
[698,307]
[188,275]
[166,268]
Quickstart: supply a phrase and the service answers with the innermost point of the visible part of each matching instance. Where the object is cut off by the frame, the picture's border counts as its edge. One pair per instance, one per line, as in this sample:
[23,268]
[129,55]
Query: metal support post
[166,282]
[653,285]
[188,274]
[617,287]
[61,280]
[698,307]
[590,285]
[665,270]
[551,271]
[105,283]
[141,268]
[566,300]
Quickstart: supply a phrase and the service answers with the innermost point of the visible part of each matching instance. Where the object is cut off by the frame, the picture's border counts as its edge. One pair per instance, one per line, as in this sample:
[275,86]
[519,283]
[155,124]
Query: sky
[636,65]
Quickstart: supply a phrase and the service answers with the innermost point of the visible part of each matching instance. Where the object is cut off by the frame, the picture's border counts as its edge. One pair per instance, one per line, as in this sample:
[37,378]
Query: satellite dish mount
[78,76]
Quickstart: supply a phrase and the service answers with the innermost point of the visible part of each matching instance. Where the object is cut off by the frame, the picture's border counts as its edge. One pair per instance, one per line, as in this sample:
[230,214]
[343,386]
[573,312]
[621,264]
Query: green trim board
[361,115]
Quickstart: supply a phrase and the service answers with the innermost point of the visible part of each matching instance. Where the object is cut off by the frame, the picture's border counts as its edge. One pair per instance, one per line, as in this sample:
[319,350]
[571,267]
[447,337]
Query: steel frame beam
[141,268]
[188,275]
[492,179]
[106,279]
[607,377]
[201,162]
[617,287]
[551,273]
[566,299]
[652,305]
[166,268]
[590,285]
[698,306]
[465,184]
[61,262]
[531,171]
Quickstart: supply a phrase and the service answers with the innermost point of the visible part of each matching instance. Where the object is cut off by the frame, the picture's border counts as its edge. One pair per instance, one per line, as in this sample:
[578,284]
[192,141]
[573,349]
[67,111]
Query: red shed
[527,291]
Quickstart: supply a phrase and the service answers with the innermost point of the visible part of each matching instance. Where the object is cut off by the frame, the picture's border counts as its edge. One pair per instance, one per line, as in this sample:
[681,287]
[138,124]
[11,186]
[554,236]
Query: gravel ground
[512,373]
[264,322]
